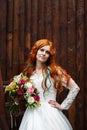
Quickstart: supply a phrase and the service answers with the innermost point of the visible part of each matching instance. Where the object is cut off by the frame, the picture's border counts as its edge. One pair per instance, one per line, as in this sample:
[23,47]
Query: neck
[39,66]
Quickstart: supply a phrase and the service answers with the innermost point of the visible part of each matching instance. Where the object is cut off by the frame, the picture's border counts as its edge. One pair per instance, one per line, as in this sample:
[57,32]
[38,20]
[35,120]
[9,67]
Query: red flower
[35,89]
[37,98]
[22,81]
[20,91]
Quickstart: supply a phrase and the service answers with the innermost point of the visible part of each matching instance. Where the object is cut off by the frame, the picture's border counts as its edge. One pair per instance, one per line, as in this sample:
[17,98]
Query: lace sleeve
[73,91]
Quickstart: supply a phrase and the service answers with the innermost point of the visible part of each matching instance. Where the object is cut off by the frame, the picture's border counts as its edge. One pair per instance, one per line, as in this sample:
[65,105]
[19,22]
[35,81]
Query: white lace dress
[46,117]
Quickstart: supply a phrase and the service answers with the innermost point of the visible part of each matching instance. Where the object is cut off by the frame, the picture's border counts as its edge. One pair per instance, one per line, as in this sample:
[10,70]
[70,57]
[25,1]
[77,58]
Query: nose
[44,52]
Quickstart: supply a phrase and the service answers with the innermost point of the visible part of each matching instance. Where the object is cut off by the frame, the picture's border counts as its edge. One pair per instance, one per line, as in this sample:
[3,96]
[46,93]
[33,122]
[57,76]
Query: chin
[43,61]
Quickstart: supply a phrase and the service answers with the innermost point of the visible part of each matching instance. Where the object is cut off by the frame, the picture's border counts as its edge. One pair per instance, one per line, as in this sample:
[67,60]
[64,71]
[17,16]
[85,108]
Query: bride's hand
[55,104]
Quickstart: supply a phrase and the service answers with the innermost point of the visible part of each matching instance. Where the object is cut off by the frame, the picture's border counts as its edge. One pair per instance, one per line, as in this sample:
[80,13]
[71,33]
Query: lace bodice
[50,94]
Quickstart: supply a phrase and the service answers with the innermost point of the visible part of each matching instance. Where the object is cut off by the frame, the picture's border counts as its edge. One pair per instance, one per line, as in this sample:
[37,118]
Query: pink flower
[12,85]
[20,91]
[22,81]
[30,90]
[37,98]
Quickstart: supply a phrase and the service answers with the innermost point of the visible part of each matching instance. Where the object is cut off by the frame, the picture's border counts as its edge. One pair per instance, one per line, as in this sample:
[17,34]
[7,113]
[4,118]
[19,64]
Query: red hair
[54,68]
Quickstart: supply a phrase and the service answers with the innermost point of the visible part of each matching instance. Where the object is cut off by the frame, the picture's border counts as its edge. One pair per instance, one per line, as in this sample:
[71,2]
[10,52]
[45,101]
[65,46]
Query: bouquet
[22,92]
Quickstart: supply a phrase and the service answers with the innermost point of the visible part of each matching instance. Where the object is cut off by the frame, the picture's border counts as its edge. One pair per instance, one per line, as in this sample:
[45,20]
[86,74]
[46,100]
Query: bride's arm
[73,91]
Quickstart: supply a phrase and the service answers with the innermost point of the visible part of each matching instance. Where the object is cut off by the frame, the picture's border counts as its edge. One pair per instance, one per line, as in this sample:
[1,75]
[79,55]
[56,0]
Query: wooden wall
[64,22]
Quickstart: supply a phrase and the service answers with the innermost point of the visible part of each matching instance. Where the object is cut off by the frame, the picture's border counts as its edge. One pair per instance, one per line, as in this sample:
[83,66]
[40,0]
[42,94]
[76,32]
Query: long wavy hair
[51,67]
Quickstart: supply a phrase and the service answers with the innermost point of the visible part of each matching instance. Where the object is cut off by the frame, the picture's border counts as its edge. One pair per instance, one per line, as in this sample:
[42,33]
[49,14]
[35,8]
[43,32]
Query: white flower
[28,85]
[17,78]
[30,100]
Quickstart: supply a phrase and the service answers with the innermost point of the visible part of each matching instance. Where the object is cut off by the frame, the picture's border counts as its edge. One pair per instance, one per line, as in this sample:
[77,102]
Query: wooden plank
[27,27]
[56,27]
[71,46]
[80,64]
[63,34]
[85,72]
[22,34]
[9,38]
[3,120]
[34,20]
[71,54]
[3,12]
[48,19]
[15,37]
[63,41]
[41,19]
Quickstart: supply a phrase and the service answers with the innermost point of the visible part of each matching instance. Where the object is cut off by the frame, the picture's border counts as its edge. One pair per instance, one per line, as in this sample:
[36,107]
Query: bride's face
[43,54]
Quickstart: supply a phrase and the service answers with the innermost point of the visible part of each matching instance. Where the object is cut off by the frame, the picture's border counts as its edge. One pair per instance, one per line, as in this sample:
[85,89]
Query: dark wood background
[64,22]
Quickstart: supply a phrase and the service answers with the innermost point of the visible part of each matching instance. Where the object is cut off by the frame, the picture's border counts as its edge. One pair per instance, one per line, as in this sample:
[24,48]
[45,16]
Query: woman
[49,78]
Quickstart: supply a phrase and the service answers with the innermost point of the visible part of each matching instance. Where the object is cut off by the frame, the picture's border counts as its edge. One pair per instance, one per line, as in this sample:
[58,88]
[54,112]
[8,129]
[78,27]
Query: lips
[42,57]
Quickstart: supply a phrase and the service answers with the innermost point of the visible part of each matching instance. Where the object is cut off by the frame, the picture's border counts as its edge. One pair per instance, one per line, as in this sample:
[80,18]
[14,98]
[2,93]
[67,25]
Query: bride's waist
[47,99]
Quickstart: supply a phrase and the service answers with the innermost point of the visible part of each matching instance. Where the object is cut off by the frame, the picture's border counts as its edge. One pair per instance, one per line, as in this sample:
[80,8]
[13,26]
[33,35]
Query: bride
[49,78]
